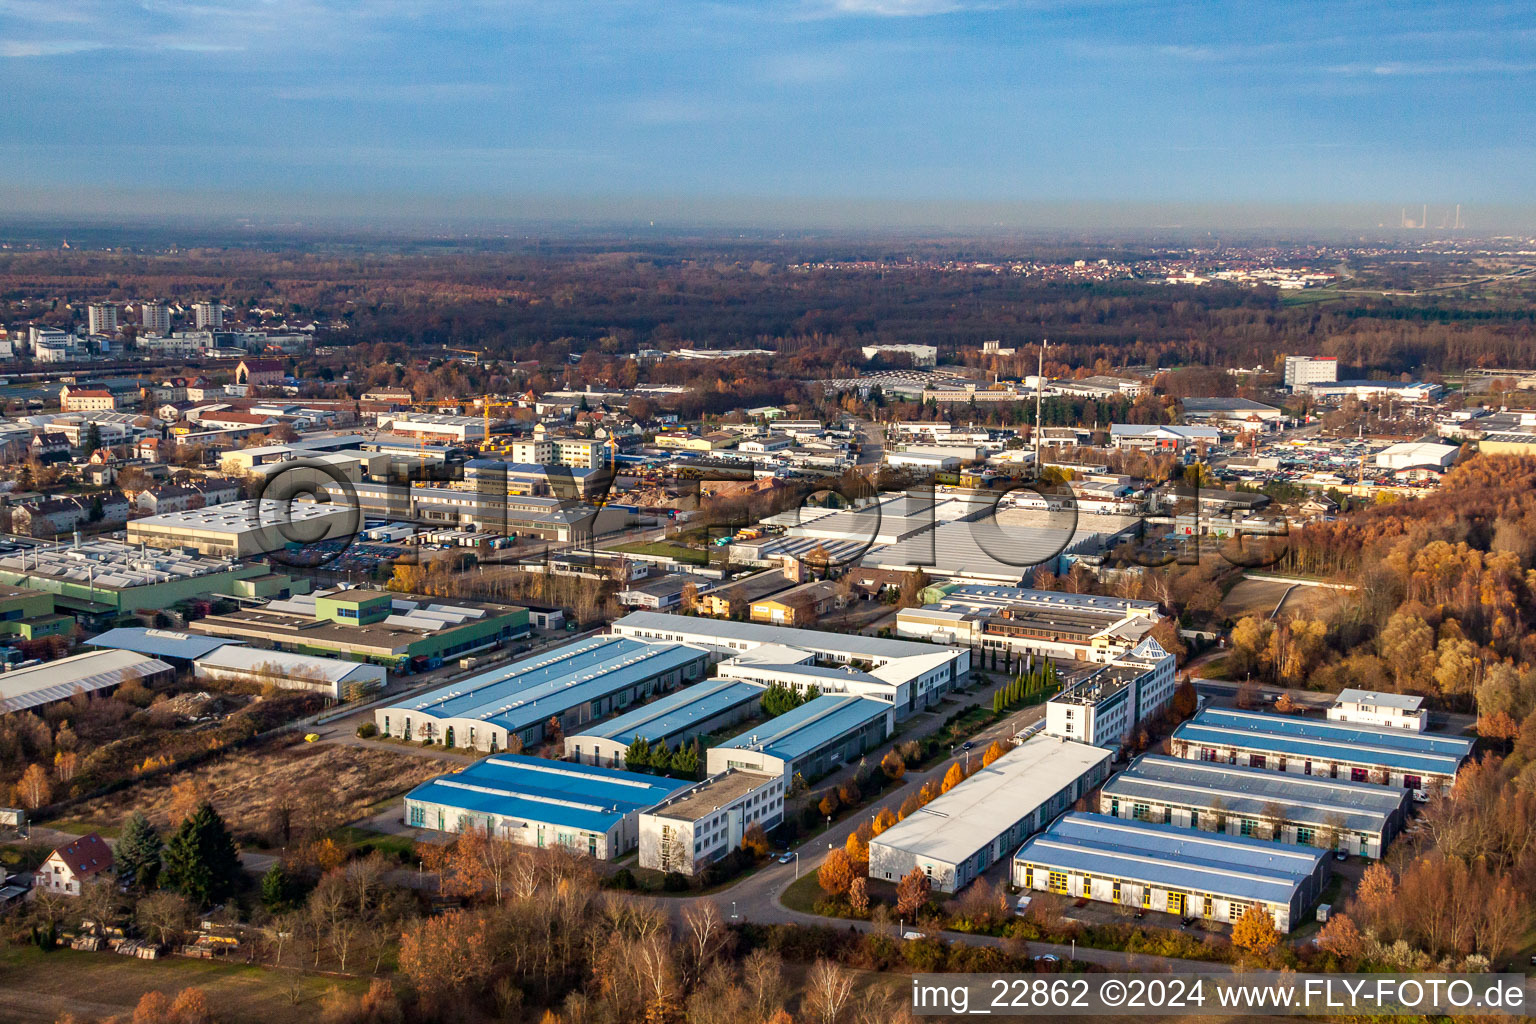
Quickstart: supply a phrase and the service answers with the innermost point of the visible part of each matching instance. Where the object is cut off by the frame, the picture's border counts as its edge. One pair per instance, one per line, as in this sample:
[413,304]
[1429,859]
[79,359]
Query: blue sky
[917,101]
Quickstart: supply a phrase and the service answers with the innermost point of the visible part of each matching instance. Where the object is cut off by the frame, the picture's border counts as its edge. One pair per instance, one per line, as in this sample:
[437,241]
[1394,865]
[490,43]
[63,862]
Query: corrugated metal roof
[1326,741]
[59,680]
[531,690]
[158,643]
[810,726]
[1307,799]
[675,712]
[959,823]
[553,792]
[1180,859]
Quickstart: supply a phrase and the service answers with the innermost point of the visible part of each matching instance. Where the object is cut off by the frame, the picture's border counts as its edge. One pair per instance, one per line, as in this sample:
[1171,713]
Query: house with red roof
[68,868]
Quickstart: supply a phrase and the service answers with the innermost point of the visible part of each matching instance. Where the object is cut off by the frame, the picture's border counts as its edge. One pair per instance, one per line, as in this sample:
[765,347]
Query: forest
[550,303]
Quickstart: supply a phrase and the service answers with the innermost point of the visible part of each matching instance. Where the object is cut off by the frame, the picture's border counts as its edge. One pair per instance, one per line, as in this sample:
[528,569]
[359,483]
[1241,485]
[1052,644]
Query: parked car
[785,858]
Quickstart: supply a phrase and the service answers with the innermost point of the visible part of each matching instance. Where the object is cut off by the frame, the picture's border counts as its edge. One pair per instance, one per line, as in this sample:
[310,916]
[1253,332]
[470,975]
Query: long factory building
[1173,870]
[674,719]
[979,822]
[574,684]
[1415,761]
[907,675]
[541,803]
[812,740]
[1354,817]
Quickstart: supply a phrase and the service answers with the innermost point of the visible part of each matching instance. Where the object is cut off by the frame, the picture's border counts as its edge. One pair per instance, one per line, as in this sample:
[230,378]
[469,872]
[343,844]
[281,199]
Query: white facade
[1394,710]
[1105,706]
[984,819]
[922,355]
[707,821]
[155,317]
[101,318]
[1417,455]
[1301,371]
[208,315]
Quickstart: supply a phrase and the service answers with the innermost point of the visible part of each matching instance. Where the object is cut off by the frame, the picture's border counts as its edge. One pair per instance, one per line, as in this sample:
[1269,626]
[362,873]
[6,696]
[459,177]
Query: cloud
[47,47]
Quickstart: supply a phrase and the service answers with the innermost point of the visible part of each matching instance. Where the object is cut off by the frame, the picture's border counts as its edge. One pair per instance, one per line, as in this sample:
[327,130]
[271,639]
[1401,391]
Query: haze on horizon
[843,113]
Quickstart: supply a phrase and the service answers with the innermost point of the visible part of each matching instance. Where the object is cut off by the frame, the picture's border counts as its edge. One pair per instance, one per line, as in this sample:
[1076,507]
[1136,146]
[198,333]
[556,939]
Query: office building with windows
[708,820]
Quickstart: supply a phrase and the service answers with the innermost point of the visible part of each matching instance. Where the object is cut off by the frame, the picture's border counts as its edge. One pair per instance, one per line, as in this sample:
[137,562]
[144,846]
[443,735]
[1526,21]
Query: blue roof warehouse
[1335,750]
[673,720]
[574,684]
[541,803]
[811,740]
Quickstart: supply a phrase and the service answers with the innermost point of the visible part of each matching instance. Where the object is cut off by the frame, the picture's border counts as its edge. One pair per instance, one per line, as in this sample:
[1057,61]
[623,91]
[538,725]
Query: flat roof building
[240,529]
[674,719]
[165,644]
[1306,810]
[911,675]
[575,684]
[1367,707]
[385,628]
[541,803]
[105,577]
[1338,750]
[1176,871]
[981,821]
[40,685]
[809,741]
[1106,705]
[706,821]
[1017,622]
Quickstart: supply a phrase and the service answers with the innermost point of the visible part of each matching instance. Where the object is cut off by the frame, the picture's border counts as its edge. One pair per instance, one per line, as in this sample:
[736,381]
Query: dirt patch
[249,786]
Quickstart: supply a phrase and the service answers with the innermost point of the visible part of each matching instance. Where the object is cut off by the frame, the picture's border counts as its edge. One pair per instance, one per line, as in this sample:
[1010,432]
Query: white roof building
[982,820]
[330,676]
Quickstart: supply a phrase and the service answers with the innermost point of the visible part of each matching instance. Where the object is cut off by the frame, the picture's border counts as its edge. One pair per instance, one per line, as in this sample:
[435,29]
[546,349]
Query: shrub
[623,879]
[367,730]
[674,881]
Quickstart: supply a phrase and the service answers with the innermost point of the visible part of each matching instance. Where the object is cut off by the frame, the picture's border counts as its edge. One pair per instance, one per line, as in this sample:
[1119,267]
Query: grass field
[42,986]
[666,549]
[1309,297]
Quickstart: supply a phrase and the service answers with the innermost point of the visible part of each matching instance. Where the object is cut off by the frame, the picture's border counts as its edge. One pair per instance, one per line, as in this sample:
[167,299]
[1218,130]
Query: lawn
[1308,297]
[666,549]
[42,986]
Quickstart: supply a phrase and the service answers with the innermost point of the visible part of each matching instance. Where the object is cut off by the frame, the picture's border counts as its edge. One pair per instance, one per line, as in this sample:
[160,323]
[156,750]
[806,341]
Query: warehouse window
[1115,892]
[1058,881]
[418,815]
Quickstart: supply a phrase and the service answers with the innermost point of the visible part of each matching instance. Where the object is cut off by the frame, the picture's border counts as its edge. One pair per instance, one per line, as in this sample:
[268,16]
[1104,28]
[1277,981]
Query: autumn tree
[1255,931]
[893,766]
[884,820]
[993,752]
[35,788]
[952,778]
[912,892]
[836,873]
[857,844]
[858,895]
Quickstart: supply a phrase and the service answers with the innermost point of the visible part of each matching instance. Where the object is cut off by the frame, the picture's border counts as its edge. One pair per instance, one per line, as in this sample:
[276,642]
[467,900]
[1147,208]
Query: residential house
[182,497]
[86,400]
[54,516]
[70,867]
[255,372]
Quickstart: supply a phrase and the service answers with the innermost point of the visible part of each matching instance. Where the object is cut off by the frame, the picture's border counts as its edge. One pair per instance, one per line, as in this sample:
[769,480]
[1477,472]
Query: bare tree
[828,992]
[763,972]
